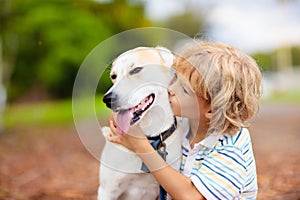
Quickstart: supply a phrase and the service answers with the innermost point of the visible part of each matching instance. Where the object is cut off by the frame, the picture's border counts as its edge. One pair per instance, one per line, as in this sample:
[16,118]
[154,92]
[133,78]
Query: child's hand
[133,140]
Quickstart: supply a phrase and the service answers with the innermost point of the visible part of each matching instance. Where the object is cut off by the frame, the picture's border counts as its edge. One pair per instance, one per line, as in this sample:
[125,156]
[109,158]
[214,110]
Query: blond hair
[228,79]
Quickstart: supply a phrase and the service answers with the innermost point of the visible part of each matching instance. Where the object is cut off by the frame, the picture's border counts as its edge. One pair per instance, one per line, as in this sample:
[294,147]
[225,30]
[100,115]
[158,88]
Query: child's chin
[176,113]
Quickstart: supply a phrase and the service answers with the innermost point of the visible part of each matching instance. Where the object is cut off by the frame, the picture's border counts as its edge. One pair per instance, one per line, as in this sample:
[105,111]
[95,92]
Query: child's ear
[208,114]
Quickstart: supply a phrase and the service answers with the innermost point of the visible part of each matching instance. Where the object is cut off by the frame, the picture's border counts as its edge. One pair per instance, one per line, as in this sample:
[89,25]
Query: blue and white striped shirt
[222,166]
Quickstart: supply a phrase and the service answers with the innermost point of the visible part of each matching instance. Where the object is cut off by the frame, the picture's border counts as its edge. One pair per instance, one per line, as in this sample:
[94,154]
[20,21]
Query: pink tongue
[123,121]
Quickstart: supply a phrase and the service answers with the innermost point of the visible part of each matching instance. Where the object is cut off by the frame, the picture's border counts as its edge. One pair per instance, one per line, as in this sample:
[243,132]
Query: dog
[139,97]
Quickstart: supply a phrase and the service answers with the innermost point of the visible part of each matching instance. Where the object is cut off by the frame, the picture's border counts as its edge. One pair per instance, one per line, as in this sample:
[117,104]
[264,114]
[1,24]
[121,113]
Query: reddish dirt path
[46,163]
[276,142]
[51,163]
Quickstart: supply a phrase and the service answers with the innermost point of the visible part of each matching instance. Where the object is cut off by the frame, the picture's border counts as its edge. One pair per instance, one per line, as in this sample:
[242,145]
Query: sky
[254,26]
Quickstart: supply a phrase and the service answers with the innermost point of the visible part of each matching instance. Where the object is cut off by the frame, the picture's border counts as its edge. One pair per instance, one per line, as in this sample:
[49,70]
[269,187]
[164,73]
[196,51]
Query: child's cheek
[172,101]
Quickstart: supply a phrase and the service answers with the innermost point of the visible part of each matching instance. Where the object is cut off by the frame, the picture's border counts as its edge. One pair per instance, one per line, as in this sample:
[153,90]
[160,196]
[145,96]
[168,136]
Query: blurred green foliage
[264,61]
[51,113]
[188,23]
[268,62]
[44,42]
[290,97]
[296,56]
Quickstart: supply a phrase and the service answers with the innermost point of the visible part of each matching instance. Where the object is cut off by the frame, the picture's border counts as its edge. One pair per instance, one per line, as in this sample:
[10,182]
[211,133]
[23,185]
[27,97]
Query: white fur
[120,171]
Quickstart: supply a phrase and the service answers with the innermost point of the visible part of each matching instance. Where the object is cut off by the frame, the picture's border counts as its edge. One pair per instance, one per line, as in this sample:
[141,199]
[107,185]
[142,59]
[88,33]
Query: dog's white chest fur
[121,176]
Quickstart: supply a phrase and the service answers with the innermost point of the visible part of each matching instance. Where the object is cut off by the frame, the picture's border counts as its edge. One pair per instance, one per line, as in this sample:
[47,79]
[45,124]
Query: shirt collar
[209,141]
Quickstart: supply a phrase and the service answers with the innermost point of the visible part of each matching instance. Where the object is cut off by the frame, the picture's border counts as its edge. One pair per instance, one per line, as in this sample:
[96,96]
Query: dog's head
[139,94]
[140,56]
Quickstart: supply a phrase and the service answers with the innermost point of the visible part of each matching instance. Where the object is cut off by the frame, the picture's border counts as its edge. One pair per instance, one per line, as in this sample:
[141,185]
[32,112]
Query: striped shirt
[221,166]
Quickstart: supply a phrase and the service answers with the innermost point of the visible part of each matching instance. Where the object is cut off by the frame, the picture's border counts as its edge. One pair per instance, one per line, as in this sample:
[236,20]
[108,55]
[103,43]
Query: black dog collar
[157,141]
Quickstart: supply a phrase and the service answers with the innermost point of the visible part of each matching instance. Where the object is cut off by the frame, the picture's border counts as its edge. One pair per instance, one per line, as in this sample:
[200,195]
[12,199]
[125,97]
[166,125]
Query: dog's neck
[159,119]
[157,140]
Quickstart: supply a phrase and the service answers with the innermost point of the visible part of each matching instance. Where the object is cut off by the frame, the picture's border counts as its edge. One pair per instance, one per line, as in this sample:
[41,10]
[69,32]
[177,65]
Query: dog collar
[157,144]
[158,141]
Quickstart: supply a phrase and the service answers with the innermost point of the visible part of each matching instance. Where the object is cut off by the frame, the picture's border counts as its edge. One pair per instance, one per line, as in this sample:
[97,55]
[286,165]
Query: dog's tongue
[123,121]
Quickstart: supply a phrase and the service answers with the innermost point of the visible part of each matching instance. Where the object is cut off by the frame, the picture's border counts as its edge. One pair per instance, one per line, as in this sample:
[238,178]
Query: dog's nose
[110,99]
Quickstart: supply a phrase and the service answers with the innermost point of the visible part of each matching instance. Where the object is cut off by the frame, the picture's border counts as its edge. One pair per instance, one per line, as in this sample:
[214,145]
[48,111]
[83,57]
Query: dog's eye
[113,76]
[135,70]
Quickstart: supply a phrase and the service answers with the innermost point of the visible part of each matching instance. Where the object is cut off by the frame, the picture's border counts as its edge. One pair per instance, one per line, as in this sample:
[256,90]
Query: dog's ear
[166,55]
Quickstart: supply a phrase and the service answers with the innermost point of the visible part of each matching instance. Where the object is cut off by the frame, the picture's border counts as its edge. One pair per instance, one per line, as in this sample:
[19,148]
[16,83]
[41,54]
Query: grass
[50,113]
[284,97]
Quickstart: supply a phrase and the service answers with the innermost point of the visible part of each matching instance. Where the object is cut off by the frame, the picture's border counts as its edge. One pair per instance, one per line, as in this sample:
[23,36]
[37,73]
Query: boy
[218,89]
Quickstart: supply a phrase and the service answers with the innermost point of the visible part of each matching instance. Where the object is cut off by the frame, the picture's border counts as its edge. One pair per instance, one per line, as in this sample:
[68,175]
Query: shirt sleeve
[222,174]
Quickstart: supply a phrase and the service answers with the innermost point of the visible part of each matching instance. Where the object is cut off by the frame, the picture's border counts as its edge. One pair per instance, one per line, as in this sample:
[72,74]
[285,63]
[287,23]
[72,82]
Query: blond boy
[218,89]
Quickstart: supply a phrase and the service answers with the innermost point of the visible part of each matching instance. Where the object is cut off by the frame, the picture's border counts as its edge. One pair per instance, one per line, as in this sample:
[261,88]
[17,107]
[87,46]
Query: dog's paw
[106,131]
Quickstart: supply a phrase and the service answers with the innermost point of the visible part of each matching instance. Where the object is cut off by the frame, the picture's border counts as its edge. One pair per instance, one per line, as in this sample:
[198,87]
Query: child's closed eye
[185,90]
